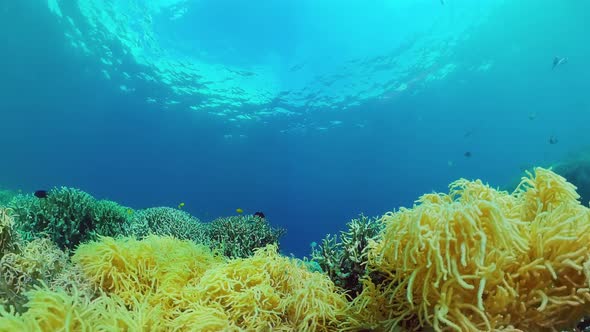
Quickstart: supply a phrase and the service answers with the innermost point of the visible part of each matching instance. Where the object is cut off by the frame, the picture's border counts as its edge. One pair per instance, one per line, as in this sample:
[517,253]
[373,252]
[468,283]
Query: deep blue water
[63,124]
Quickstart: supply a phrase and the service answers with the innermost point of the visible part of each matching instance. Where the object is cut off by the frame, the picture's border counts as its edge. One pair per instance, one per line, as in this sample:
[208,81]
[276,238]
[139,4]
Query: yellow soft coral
[156,268]
[54,310]
[481,259]
[271,292]
[196,290]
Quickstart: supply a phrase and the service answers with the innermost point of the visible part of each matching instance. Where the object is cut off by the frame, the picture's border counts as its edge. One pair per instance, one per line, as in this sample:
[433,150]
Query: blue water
[311,112]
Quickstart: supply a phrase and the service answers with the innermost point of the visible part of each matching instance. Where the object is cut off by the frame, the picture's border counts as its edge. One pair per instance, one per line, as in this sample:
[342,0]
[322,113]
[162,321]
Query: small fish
[450,163]
[558,61]
[259,214]
[129,211]
[313,244]
[181,205]
[467,154]
[239,211]
[41,194]
[553,140]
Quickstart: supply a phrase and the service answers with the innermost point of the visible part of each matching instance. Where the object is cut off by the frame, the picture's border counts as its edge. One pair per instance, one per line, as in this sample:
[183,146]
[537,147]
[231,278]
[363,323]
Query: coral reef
[473,259]
[165,284]
[345,259]
[239,236]
[68,216]
[480,259]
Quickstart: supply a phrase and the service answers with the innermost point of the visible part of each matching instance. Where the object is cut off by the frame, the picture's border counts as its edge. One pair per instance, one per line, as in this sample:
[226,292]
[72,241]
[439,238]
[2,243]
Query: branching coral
[68,216]
[232,236]
[239,236]
[345,261]
[478,260]
[168,221]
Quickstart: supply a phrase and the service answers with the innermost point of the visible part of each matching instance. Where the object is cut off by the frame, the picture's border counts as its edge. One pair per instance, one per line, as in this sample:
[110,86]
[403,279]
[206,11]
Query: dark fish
[553,140]
[41,194]
[467,154]
[259,215]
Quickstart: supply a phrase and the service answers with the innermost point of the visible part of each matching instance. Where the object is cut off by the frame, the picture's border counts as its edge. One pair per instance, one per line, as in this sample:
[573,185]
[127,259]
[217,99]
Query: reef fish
[41,194]
[259,214]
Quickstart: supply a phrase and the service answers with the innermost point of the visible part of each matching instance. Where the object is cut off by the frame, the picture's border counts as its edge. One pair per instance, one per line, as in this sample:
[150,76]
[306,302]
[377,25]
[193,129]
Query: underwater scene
[295,165]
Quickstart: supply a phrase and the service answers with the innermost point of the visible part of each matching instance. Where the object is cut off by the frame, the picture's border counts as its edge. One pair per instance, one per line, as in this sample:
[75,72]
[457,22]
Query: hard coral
[167,221]
[344,259]
[68,216]
[240,236]
[480,259]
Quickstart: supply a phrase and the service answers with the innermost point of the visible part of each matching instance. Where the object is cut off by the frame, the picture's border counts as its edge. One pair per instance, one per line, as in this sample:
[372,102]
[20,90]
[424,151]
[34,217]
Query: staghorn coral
[109,219]
[240,236]
[65,215]
[168,221]
[68,216]
[345,261]
[479,259]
